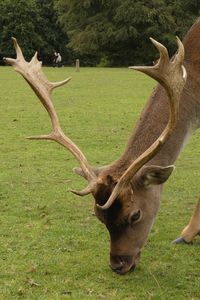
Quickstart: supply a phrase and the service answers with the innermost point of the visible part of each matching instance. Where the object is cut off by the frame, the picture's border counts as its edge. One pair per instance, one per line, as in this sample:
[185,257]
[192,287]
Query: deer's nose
[117,266]
[121,264]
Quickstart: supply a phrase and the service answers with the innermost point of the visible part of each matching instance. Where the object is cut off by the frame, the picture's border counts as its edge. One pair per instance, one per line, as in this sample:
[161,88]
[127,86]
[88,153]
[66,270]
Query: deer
[127,192]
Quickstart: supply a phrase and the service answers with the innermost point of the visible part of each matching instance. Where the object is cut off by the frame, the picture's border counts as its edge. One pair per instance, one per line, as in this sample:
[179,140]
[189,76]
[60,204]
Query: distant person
[55,59]
[59,60]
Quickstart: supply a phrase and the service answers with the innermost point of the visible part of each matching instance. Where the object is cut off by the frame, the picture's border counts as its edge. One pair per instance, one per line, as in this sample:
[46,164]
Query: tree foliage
[17,20]
[117,31]
[104,32]
[34,24]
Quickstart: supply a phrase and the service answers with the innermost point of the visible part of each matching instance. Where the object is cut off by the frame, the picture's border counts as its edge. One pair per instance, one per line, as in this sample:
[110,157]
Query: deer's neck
[156,113]
[154,119]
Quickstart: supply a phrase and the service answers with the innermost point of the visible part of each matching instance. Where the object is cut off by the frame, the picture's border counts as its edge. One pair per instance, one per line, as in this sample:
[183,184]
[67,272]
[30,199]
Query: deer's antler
[172,75]
[32,72]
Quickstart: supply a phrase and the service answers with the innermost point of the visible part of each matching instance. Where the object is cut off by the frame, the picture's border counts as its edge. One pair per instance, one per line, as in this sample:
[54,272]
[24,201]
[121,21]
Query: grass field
[51,244]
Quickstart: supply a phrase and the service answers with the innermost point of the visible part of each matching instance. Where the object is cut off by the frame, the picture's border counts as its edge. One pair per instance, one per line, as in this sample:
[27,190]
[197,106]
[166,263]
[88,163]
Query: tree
[89,25]
[108,33]
[135,22]
[184,13]
[34,24]
[53,38]
[117,31]
[17,20]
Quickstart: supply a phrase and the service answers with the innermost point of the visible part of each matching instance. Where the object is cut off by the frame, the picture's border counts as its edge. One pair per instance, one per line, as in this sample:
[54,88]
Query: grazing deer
[127,192]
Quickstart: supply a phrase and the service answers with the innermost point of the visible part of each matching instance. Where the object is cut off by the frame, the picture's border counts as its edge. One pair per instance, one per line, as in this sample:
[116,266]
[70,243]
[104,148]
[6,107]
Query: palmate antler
[32,73]
[172,76]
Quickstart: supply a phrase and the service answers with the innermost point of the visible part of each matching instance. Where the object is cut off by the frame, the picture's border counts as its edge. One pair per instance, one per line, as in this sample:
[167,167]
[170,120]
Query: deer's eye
[135,216]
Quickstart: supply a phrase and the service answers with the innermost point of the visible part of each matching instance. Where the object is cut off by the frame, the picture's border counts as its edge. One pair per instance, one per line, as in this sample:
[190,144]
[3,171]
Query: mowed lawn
[51,244]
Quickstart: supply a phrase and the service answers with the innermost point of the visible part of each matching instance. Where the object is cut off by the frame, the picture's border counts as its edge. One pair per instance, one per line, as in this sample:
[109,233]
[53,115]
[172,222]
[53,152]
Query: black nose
[121,264]
[117,268]
[120,269]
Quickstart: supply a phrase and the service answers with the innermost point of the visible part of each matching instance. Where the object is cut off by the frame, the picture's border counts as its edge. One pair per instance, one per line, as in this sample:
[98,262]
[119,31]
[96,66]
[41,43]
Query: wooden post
[77,65]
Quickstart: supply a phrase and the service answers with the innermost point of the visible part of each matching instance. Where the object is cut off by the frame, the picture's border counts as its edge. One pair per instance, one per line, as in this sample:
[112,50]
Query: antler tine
[18,49]
[164,56]
[179,57]
[12,61]
[172,75]
[88,190]
[152,71]
[32,72]
[61,83]
[163,63]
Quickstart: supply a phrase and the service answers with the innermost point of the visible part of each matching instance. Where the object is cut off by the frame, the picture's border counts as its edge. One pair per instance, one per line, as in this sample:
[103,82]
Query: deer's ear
[154,175]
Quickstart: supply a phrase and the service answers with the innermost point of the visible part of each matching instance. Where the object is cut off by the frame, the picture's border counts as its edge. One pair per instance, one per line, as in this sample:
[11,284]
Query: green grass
[51,244]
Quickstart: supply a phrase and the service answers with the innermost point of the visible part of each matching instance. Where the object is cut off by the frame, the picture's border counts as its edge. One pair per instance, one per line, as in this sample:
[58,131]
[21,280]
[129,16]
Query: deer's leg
[192,229]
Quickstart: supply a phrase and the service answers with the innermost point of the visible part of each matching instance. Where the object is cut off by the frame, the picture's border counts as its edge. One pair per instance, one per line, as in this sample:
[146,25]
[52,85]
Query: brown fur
[127,239]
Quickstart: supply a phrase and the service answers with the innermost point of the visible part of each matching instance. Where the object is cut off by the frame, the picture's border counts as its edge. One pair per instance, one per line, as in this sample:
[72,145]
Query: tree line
[98,32]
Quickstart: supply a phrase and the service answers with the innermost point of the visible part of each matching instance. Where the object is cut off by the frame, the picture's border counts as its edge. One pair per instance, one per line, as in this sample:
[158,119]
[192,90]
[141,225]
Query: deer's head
[126,197]
[130,216]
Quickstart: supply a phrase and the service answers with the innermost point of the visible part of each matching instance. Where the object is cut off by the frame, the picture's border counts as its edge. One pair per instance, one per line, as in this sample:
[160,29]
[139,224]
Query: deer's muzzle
[121,264]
